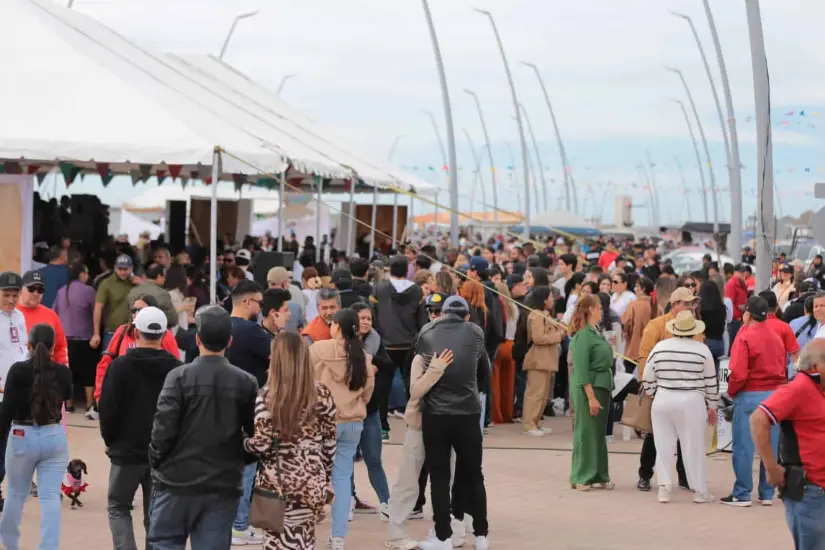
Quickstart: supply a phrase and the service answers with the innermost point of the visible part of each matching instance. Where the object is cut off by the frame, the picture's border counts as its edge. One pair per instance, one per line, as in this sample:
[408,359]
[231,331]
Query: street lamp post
[448,117]
[569,184]
[698,157]
[443,161]
[478,177]
[684,187]
[232,30]
[395,194]
[707,155]
[657,213]
[518,121]
[283,82]
[489,156]
[538,156]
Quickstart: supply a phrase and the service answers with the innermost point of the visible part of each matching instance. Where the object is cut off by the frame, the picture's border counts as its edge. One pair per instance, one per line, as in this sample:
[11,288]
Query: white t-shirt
[14,342]
[820,332]
[559,284]
[619,302]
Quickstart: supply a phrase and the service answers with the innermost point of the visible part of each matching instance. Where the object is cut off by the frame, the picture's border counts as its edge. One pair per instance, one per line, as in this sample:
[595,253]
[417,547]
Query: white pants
[680,416]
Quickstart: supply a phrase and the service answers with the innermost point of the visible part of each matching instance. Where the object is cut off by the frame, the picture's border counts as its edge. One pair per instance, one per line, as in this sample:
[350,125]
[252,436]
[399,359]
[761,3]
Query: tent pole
[319,185]
[281,194]
[351,220]
[395,221]
[372,224]
[435,217]
[213,223]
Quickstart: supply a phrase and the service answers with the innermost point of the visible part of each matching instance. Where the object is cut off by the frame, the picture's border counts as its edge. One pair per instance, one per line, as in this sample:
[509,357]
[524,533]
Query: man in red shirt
[736,290]
[35,313]
[800,408]
[780,327]
[758,366]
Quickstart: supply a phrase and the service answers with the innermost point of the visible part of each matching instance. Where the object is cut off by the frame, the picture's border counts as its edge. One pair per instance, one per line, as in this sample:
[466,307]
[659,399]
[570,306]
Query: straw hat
[685,324]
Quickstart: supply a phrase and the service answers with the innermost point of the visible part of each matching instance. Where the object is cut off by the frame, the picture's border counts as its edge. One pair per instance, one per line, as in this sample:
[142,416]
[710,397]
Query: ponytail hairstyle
[45,397]
[582,312]
[347,320]
[811,323]
[647,287]
[74,275]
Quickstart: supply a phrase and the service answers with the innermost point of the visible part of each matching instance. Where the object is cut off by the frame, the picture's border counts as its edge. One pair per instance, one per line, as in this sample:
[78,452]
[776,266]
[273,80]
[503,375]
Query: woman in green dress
[591,385]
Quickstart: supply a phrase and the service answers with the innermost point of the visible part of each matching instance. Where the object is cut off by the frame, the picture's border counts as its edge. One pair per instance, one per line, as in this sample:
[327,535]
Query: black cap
[9,280]
[513,280]
[341,275]
[214,325]
[739,268]
[786,268]
[757,307]
[435,301]
[32,278]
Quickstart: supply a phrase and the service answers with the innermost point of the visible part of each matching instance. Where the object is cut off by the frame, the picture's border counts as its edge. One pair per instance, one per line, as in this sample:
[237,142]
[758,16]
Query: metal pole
[536,153]
[435,213]
[684,187]
[351,219]
[445,167]
[531,172]
[736,228]
[479,178]
[319,186]
[283,82]
[394,145]
[489,157]
[372,222]
[710,161]
[765,230]
[395,221]
[518,121]
[657,213]
[231,30]
[213,227]
[281,197]
[71,3]
[569,185]
[698,158]
[448,117]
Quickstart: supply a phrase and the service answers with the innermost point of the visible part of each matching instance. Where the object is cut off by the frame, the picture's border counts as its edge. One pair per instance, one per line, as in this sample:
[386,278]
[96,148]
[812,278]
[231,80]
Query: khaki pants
[538,388]
[405,491]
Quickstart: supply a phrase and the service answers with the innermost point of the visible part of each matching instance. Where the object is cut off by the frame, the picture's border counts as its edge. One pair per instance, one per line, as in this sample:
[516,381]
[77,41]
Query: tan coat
[422,378]
[545,336]
[635,319]
[655,332]
[329,360]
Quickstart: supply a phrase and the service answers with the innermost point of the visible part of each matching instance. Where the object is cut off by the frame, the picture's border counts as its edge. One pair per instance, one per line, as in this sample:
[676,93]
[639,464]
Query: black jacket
[456,393]
[128,399]
[398,315]
[203,411]
[362,288]
[350,297]
[494,327]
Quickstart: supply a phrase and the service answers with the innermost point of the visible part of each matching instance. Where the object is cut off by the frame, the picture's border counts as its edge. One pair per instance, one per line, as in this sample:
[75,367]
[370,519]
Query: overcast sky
[365,68]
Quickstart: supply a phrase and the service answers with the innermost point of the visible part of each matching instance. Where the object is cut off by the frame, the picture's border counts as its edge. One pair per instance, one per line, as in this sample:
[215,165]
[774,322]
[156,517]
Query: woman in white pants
[681,376]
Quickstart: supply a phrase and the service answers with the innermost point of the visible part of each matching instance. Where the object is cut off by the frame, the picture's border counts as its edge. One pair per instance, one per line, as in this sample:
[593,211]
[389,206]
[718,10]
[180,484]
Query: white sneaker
[664,494]
[459,533]
[248,537]
[384,511]
[432,543]
[482,543]
[702,498]
[92,414]
[336,543]
[546,431]
[534,433]
[766,502]
[608,438]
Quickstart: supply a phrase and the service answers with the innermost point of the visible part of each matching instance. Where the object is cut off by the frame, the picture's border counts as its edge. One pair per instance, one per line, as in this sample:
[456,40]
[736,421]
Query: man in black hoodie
[399,315]
[342,279]
[359,267]
[127,409]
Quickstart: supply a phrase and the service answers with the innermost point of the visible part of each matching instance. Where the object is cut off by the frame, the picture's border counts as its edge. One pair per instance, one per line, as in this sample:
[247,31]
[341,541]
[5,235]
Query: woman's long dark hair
[176,279]
[74,275]
[540,277]
[647,287]
[347,319]
[811,323]
[710,300]
[575,280]
[45,397]
[607,322]
[534,300]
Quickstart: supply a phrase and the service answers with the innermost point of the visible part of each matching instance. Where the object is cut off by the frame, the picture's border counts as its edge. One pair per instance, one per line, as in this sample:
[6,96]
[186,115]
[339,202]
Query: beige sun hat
[685,324]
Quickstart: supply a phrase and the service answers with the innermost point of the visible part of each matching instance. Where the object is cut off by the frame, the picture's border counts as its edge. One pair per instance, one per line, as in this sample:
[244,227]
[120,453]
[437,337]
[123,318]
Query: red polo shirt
[736,290]
[785,333]
[802,401]
[757,360]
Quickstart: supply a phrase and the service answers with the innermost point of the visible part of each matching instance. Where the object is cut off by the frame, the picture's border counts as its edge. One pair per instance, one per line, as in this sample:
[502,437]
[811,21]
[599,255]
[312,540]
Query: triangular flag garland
[40,177]
[239,180]
[135,175]
[174,170]
[69,171]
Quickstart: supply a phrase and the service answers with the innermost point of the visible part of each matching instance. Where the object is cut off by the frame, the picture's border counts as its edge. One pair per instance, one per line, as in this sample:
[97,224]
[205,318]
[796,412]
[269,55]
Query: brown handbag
[637,412]
[267,509]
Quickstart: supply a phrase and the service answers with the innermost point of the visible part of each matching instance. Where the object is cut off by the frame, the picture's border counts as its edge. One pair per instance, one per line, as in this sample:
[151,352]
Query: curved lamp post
[232,30]
[489,155]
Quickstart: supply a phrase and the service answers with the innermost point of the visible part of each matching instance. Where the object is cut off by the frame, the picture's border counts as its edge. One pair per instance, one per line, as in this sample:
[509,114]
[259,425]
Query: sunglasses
[36,289]
[690,285]
[135,310]
[617,282]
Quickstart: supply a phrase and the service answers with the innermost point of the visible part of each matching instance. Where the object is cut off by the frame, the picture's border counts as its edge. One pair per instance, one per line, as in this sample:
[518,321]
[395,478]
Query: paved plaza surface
[530,504]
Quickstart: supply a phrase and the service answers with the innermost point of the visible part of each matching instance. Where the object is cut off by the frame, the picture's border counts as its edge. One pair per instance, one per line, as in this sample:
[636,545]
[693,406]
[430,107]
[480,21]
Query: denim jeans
[242,515]
[107,337]
[520,386]
[348,435]
[123,483]
[46,450]
[805,519]
[483,398]
[371,451]
[717,350]
[744,404]
[205,519]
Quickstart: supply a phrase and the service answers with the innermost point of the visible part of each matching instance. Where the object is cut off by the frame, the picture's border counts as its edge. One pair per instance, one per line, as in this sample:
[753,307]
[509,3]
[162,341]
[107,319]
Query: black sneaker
[643,484]
[731,500]
[33,490]
[685,486]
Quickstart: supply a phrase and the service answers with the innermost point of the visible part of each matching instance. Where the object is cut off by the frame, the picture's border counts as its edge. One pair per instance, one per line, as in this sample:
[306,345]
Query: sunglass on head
[36,289]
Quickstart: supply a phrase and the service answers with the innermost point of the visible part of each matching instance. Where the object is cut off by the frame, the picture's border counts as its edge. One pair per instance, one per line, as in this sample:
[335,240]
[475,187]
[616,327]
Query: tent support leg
[372,225]
[281,196]
[351,218]
[319,185]
[395,221]
[213,224]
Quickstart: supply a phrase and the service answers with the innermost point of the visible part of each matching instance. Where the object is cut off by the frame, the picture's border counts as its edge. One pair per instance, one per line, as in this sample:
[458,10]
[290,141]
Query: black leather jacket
[456,393]
[203,411]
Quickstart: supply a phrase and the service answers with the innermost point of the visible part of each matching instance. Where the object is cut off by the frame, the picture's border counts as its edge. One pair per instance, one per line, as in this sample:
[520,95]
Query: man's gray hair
[812,355]
[329,294]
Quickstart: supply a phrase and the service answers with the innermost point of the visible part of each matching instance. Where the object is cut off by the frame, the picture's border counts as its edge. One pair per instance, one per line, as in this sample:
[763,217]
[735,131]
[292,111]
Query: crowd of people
[210,410]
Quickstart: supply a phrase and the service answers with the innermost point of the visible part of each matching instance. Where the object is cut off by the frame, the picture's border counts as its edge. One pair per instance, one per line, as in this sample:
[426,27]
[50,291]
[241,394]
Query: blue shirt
[250,349]
[802,338]
[54,278]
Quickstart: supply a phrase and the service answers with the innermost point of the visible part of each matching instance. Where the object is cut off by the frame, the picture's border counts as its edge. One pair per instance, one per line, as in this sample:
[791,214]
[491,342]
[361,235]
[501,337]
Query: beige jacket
[329,360]
[546,336]
[422,378]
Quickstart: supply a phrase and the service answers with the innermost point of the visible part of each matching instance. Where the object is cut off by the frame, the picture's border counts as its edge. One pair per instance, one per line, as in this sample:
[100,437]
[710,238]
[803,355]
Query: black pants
[383,382]
[422,489]
[443,433]
[648,460]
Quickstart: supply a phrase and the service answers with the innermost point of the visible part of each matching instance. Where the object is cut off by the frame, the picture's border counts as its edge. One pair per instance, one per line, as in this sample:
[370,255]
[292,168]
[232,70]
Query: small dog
[73,483]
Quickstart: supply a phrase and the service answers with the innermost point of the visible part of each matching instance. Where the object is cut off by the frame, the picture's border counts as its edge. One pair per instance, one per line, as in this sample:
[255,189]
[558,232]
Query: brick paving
[530,504]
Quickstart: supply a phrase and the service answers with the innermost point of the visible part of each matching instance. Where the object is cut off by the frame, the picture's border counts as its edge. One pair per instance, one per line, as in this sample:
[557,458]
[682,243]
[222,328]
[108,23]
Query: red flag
[103,169]
[32,169]
[174,170]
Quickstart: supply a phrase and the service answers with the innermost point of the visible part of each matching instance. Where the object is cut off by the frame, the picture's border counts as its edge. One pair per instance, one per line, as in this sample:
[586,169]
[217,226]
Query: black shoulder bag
[268,508]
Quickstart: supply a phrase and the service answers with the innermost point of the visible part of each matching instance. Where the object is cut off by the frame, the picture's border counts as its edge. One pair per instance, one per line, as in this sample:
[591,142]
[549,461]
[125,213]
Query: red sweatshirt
[128,341]
[43,315]
[757,360]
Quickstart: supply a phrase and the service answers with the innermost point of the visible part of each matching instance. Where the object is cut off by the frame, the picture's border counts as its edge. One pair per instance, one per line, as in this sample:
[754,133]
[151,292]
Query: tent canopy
[559,221]
[138,110]
[154,199]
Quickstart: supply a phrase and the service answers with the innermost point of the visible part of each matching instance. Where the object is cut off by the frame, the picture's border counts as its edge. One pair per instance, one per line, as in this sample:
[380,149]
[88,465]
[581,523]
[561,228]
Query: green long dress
[592,364]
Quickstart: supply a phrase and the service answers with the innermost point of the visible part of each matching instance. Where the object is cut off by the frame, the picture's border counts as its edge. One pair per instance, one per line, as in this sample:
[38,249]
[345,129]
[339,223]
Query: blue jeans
[744,404]
[107,337]
[483,398]
[398,397]
[204,519]
[805,519]
[717,350]
[348,435]
[30,448]
[242,515]
[371,451]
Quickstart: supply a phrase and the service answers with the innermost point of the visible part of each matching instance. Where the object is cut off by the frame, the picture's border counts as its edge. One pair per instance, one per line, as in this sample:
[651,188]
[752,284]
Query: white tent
[133,226]
[154,198]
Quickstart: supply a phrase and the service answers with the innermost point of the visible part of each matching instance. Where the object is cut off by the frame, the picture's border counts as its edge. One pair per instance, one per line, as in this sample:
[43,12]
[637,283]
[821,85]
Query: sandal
[579,487]
[609,486]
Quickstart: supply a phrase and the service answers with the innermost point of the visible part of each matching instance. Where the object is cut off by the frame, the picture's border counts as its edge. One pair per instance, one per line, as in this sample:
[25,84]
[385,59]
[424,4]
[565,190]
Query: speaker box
[176,225]
[264,261]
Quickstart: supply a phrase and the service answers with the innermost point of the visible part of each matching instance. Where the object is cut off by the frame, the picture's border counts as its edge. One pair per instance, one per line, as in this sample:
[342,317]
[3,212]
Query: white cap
[150,320]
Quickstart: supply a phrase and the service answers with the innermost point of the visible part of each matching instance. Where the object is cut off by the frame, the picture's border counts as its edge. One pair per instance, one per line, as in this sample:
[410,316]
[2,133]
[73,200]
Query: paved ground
[530,504]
